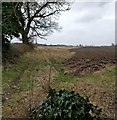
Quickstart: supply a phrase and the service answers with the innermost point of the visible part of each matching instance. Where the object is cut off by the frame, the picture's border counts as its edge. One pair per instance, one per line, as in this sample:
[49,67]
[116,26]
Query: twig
[50,69]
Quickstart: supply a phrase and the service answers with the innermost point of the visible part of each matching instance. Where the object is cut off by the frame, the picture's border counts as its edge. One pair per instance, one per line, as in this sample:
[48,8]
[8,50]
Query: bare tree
[39,18]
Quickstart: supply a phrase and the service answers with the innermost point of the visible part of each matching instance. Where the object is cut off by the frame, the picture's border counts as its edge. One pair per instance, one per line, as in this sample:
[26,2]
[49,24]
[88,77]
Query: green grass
[60,76]
[9,74]
[105,74]
[26,63]
[64,78]
[56,62]
[24,84]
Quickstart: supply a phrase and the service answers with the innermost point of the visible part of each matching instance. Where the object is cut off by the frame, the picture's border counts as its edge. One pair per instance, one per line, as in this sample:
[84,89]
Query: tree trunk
[25,33]
[25,38]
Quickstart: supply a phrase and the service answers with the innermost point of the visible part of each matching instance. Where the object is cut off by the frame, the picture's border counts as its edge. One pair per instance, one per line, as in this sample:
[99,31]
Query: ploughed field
[90,59]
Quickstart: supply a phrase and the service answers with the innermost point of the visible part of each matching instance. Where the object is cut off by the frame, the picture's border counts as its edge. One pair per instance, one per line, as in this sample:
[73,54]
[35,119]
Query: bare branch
[28,10]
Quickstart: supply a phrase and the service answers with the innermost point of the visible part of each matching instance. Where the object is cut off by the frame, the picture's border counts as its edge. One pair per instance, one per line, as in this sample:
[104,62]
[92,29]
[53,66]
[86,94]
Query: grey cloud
[89,12]
[84,24]
[102,4]
[89,18]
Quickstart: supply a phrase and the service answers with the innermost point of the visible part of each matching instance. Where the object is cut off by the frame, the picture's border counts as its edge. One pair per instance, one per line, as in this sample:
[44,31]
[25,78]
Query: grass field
[26,83]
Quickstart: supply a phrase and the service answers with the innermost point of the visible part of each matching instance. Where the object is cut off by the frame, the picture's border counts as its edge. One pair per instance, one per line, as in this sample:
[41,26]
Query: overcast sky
[87,23]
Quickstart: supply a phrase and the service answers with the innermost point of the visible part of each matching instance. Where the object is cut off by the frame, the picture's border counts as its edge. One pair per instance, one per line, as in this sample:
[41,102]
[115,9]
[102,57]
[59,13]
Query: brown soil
[88,60]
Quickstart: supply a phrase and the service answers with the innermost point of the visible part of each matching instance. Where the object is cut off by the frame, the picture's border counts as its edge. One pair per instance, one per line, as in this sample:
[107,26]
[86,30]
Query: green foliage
[65,105]
[10,26]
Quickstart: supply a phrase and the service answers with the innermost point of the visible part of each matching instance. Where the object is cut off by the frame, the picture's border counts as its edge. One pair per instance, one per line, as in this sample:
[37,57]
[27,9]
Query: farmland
[87,60]
[90,71]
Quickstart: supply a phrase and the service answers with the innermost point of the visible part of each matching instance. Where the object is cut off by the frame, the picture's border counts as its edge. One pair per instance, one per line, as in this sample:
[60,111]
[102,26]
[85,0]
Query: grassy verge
[31,68]
[17,82]
[98,86]
[13,71]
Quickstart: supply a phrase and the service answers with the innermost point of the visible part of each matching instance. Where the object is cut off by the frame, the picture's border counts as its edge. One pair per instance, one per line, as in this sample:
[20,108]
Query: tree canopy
[28,20]
[10,26]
